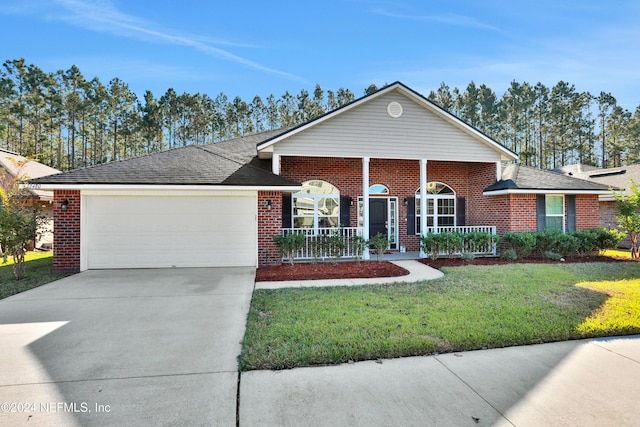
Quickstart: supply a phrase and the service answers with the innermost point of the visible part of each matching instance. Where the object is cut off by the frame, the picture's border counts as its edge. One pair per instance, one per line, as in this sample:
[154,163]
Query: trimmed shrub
[510,255]
[522,243]
[380,242]
[432,244]
[289,244]
[607,239]
[552,256]
[468,256]
[357,246]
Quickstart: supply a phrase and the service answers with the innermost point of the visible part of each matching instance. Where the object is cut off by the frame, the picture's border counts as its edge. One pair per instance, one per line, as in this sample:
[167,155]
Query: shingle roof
[190,165]
[21,167]
[619,177]
[245,146]
[518,177]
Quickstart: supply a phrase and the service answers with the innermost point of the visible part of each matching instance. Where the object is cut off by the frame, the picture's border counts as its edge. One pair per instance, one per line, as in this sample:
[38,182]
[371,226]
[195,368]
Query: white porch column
[423,201]
[498,170]
[275,164]
[365,204]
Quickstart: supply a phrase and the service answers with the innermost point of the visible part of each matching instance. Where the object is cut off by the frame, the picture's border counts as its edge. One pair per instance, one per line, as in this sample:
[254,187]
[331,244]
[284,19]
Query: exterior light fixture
[268,205]
[64,205]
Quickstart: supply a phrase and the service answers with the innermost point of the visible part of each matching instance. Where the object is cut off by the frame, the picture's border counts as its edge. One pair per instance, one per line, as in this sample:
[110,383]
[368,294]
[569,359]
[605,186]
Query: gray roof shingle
[519,177]
[191,165]
[619,177]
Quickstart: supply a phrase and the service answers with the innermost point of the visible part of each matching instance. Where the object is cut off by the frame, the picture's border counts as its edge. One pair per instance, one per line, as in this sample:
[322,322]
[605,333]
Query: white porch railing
[317,246]
[468,246]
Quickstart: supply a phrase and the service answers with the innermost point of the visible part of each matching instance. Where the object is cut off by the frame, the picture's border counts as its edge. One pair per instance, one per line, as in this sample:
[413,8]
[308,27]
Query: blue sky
[248,48]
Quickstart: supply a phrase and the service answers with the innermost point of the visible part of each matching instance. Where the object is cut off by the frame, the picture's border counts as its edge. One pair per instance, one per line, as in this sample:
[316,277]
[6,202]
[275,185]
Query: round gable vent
[394,109]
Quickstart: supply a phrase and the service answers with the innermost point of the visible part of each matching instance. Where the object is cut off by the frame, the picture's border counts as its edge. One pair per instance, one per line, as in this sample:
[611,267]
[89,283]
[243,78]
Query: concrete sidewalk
[417,272]
[586,383]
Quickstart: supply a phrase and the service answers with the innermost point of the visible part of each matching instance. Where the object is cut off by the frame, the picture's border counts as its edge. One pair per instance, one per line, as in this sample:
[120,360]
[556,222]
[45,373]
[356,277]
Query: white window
[554,212]
[441,206]
[317,205]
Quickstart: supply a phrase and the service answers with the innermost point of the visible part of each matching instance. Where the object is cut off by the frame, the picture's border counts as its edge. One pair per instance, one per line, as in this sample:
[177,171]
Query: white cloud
[446,19]
[103,16]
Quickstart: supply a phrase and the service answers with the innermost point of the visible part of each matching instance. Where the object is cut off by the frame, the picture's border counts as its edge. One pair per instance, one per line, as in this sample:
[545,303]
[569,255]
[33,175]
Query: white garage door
[164,232]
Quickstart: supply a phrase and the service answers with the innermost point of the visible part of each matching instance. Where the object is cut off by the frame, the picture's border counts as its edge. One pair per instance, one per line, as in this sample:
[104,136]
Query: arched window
[378,189]
[317,205]
[441,206]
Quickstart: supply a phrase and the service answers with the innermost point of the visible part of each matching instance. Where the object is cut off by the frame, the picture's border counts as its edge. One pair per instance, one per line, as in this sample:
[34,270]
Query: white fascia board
[518,191]
[146,187]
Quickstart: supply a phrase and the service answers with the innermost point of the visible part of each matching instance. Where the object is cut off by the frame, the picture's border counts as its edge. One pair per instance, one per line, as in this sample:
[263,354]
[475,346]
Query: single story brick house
[365,168]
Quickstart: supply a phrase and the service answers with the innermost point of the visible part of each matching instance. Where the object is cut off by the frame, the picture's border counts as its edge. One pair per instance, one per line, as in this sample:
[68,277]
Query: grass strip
[38,271]
[471,307]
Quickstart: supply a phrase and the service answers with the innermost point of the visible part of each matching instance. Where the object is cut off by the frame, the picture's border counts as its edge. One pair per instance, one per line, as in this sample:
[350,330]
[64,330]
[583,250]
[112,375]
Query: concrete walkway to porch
[417,272]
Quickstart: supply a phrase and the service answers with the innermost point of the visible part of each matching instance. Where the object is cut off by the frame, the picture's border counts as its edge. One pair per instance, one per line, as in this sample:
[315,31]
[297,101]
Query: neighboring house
[16,167]
[365,168]
[617,178]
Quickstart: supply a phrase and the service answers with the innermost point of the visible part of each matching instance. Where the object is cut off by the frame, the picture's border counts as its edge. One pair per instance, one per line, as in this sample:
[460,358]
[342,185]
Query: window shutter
[461,211]
[571,212]
[541,210]
[286,210]
[411,216]
[345,211]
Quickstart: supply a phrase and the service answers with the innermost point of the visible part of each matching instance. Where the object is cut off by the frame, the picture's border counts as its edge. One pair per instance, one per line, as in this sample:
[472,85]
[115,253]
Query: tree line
[67,121]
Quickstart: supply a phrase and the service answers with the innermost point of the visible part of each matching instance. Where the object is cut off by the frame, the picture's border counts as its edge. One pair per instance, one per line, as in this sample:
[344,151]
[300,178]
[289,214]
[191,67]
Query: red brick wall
[518,212]
[66,236]
[402,177]
[269,223]
[587,211]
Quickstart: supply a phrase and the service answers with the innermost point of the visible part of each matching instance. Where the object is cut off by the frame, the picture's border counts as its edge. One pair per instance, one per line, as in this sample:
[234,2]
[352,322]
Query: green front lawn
[38,271]
[471,307]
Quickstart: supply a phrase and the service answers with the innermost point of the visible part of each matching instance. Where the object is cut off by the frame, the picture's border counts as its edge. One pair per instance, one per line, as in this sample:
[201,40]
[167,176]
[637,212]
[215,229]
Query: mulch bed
[456,262]
[339,270]
[368,269]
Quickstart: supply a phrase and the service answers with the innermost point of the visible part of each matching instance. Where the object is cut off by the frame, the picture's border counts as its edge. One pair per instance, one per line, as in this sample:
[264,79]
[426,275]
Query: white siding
[367,130]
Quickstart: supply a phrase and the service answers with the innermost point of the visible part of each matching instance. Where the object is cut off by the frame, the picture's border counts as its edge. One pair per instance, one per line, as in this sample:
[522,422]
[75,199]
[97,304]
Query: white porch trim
[365,204]
[423,202]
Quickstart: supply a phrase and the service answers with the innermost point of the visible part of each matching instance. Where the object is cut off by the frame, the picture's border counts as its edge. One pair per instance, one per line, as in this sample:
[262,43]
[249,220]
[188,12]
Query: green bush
[468,256]
[452,242]
[432,244]
[552,256]
[564,244]
[357,246]
[607,239]
[510,255]
[558,242]
[289,244]
[480,241]
[380,242]
[522,243]
[587,241]
[336,245]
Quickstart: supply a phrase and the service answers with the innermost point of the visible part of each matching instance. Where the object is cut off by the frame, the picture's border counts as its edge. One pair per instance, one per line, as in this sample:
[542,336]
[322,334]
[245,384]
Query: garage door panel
[156,232]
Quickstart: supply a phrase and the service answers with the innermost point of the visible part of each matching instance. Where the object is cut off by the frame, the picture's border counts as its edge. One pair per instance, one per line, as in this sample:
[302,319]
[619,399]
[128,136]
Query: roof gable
[394,122]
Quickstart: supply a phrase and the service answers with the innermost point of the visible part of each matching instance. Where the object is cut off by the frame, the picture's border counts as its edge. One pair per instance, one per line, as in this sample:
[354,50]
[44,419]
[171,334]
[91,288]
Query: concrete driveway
[125,347]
